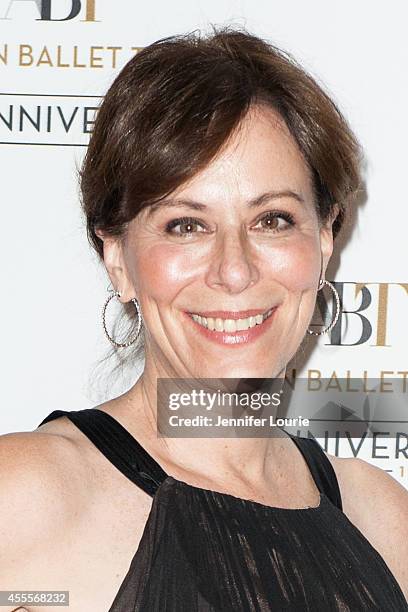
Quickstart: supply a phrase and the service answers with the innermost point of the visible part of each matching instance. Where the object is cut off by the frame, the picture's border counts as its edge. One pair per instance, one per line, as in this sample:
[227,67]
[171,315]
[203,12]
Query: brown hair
[175,104]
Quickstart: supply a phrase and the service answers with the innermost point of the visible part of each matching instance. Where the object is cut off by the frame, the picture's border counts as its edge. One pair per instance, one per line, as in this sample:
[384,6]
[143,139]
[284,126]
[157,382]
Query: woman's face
[251,242]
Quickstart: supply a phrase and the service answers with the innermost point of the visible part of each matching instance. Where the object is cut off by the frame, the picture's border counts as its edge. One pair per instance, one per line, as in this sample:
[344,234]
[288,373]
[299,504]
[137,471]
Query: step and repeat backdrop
[57,58]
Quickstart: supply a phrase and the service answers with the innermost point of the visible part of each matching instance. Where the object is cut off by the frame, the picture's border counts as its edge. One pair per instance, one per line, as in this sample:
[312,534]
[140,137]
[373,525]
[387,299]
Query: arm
[37,508]
[377,505]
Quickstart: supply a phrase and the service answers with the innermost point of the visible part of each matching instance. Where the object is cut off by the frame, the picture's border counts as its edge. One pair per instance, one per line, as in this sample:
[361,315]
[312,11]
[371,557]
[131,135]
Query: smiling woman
[168,160]
[217,177]
[241,246]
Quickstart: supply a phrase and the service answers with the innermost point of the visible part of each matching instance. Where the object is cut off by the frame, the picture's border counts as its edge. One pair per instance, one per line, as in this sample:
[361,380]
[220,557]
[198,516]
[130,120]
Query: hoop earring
[333,323]
[139,321]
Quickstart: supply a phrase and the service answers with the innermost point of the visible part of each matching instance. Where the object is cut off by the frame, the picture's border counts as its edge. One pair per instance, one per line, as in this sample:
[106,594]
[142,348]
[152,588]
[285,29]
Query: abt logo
[45,9]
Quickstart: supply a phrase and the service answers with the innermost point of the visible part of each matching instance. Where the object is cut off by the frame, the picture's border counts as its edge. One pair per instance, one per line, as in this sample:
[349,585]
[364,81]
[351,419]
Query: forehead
[261,154]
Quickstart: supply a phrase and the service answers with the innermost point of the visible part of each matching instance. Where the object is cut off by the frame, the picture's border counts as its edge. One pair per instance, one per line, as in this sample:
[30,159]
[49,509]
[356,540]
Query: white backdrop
[53,289]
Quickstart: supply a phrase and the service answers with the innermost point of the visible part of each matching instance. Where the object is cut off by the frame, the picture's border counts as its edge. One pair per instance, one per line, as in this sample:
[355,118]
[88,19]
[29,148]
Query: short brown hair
[174,105]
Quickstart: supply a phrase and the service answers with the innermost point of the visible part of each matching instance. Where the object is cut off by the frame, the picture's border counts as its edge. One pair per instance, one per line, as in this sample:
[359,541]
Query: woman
[217,177]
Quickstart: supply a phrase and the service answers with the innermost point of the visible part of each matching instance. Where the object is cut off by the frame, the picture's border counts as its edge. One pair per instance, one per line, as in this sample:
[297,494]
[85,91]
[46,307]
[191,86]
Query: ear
[326,240]
[115,265]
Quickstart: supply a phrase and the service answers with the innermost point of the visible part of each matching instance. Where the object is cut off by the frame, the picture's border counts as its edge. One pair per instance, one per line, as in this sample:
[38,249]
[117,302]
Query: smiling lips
[231,314]
[235,329]
[235,321]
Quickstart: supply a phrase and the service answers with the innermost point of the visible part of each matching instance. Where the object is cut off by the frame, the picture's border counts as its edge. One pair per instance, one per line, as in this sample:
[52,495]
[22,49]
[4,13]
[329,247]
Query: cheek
[161,271]
[295,266]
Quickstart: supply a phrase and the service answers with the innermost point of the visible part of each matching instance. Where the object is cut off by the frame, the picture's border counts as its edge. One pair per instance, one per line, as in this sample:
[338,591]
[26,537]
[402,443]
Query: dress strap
[118,446]
[320,468]
[127,454]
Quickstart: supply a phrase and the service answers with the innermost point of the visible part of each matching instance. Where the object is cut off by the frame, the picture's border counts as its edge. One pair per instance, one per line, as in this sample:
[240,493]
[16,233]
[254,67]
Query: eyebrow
[256,202]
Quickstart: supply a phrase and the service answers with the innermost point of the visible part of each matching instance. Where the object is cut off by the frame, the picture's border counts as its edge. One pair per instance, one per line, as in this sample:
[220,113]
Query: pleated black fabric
[206,551]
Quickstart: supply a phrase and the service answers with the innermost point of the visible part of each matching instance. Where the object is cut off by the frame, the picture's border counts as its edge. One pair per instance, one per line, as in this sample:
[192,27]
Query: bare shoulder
[377,504]
[41,481]
[36,470]
[32,450]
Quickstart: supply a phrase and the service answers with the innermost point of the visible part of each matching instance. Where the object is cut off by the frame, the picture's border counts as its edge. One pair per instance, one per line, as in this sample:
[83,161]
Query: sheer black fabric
[206,551]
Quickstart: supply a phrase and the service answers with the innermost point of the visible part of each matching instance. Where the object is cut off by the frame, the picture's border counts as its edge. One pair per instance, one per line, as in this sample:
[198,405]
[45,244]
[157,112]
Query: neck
[248,459]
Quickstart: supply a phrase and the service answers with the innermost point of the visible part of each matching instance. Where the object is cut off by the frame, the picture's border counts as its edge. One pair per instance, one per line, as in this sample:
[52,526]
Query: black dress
[206,551]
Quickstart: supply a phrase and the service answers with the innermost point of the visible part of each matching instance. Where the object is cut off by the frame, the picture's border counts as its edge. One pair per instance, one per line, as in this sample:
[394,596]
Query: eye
[271,224]
[187,226]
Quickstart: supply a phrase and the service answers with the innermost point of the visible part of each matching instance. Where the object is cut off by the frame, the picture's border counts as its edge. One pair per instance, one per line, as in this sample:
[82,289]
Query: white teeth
[241,324]
[231,325]
[219,324]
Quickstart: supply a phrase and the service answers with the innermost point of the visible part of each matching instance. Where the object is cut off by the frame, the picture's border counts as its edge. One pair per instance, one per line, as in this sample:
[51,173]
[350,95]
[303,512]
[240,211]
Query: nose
[232,265]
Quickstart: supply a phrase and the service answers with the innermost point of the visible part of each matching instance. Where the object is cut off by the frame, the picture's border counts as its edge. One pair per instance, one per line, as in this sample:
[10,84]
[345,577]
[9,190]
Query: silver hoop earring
[333,323]
[139,321]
